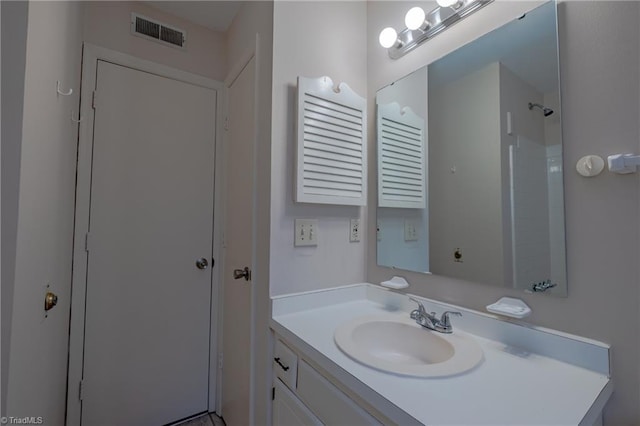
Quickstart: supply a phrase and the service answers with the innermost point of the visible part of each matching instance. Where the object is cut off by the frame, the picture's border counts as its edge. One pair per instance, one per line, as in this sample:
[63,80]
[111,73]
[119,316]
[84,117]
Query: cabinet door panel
[288,410]
[328,402]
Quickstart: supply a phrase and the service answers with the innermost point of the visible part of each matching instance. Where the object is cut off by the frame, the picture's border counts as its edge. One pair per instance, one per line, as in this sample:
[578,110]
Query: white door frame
[91,55]
[234,72]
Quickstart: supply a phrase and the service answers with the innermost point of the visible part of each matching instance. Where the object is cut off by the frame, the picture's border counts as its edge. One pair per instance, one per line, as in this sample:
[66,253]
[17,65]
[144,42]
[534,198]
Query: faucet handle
[420,313]
[420,305]
[444,319]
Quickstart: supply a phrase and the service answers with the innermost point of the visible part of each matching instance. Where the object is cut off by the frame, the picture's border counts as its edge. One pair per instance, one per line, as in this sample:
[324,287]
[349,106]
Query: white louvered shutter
[401,158]
[331,144]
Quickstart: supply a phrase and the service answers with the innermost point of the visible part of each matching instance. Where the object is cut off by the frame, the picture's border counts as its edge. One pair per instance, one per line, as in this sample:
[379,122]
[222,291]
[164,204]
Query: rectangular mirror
[470,181]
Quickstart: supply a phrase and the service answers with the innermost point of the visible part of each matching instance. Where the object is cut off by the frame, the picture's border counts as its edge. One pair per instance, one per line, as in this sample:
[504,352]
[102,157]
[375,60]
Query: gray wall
[466,206]
[600,69]
[14,46]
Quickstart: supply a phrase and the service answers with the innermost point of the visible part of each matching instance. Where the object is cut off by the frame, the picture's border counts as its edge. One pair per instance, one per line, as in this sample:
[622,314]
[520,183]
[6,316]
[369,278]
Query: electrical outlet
[354,231]
[306,232]
[410,231]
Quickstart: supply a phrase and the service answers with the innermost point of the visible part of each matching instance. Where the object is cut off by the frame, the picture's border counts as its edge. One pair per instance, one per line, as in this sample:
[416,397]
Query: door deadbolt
[202,263]
[242,273]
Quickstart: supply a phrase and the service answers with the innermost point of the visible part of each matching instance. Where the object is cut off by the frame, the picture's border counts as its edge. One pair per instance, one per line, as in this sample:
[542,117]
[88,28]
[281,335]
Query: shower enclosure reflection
[493,187]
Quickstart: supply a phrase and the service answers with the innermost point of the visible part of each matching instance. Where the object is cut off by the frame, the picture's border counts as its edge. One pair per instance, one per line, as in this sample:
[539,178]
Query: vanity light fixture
[447,3]
[388,37]
[422,26]
[415,18]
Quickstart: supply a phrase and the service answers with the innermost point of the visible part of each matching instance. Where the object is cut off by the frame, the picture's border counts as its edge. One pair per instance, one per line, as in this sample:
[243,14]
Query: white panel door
[237,309]
[146,353]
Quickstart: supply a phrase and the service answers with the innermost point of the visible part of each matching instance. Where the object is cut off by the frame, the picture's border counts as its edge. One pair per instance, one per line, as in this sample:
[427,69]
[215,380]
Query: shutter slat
[314,153]
[408,158]
[400,139]
[332,170]
[332,148]
[313,131]
[340,108]
[337,165]
[404,148]
[401,164]
[311,137]
[332,192]
[332,178]
[327,117]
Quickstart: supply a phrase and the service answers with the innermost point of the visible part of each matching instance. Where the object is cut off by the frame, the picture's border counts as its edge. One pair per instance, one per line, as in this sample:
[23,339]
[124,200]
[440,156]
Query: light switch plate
[410,231]
[306,232]
[354,230]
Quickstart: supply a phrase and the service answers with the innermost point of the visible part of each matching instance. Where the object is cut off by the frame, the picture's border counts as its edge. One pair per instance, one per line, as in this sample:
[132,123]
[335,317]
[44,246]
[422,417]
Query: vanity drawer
[285,364]
[328,402]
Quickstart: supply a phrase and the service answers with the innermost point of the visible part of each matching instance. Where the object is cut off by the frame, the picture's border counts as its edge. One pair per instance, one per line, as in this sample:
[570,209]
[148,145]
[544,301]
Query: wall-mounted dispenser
[590,165]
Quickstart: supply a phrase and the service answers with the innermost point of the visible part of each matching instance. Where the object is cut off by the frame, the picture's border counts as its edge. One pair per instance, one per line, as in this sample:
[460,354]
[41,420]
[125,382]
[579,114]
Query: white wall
[531,230]
[555,183]
[600,116]
[38,360]
[107,24]
[553,123]
[312,39]
[557,249]
[14,44]
[258,16]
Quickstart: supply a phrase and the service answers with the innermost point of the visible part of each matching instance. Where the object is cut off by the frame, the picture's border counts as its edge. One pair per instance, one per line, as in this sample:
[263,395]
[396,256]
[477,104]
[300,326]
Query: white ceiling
[215,15]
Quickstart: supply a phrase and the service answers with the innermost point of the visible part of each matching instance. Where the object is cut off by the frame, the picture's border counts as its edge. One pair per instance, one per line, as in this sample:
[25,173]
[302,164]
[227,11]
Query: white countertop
[510,387]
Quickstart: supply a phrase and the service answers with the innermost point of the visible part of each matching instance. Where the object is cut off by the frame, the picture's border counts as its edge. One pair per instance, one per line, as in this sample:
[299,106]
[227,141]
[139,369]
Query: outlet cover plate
[354,230]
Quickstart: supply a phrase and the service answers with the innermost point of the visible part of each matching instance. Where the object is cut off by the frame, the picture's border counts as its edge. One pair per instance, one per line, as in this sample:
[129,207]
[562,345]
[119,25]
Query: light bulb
[447,3]
[414,18]
[388,37]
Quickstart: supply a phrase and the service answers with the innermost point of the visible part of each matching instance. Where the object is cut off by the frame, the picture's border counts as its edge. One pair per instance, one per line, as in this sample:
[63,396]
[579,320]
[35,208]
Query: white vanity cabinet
[523,368]
[304,396]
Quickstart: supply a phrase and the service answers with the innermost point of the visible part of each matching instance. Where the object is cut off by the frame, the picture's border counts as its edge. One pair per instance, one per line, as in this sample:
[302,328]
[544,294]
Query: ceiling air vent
[154,30]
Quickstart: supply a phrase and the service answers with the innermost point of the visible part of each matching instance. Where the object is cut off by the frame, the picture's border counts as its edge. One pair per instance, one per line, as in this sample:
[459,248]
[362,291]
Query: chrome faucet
[430,321]
[542,286]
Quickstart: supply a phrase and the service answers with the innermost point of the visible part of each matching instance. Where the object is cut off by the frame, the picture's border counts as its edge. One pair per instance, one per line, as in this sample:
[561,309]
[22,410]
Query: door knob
[202,263]
[50,300]
[242,273]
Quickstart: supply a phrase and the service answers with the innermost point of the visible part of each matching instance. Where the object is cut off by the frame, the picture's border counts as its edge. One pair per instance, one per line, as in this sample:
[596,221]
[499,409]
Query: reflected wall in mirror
[470,181]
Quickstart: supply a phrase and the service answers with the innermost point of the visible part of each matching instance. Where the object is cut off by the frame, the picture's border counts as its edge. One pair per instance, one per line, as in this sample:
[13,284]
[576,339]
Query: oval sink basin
[398,345]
